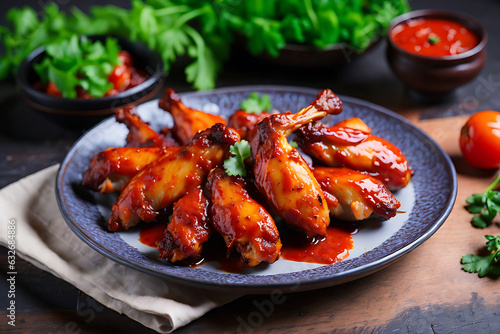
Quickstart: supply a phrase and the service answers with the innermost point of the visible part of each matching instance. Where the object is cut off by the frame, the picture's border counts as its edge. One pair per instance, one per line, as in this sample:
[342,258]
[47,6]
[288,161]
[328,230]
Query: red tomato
[121,76]
[53,90]
[480,140]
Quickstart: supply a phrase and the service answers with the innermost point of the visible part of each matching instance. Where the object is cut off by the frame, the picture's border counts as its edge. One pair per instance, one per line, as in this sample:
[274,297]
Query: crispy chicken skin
[243,223]
[187,121]
[282,175]
[188,229]
[162,183]
[352,195]
[110,170]
[245,123]
[357,149]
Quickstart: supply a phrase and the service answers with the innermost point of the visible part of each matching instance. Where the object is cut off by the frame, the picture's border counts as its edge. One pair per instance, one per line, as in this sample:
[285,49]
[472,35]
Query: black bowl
[310,57]
[81,113]
[433,79]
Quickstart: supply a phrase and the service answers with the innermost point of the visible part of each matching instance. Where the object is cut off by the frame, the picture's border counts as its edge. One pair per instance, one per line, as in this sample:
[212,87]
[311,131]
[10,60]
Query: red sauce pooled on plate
[335,246]
[330,249]
[434,37]
[152,233]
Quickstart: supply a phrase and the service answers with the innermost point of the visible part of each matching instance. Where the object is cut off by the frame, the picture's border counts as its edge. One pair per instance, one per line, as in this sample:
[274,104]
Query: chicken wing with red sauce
[162,183]
[245,123]
[110,170]
[140,133]
[188,229]
[352,195]
[282,175]
[243,223]
[357,149]
[187,121]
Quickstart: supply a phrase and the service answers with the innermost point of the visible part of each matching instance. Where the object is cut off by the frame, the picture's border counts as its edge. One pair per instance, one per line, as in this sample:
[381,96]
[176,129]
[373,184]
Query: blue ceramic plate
[427,201]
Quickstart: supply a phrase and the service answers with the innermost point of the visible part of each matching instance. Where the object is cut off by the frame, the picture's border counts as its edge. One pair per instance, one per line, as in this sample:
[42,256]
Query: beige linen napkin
[43,238]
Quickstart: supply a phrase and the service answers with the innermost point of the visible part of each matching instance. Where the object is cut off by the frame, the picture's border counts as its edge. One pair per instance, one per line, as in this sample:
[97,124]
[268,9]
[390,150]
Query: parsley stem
[493,185]
[189,16]
[171,10]
[311,14]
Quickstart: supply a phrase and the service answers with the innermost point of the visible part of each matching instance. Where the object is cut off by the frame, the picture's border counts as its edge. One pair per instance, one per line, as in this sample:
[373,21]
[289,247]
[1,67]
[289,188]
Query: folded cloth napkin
[42,238]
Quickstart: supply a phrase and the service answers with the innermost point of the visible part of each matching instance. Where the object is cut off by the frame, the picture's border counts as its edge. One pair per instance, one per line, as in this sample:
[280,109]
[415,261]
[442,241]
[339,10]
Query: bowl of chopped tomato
[433,52]
[82,79]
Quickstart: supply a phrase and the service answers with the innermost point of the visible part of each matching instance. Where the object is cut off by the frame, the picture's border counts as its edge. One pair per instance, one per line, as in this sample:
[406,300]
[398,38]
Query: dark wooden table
[426,292]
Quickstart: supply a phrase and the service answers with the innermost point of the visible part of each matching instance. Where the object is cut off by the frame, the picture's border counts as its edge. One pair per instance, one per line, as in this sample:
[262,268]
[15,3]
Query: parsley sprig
[486,205]
[79,62]
[256,104]
[235,165]
[484,265]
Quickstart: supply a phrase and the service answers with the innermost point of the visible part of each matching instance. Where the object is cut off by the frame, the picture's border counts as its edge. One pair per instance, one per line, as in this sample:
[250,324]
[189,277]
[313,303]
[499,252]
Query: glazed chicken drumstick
[188,229]
[243,223]
[282,175]
[348,146]
[140,133]
[162,183]
[110,170]
[245,123]
[187,121]
[353,196]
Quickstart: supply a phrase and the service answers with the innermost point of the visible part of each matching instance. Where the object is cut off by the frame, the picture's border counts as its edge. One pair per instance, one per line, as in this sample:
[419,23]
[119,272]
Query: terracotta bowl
[77,112]
[432,79]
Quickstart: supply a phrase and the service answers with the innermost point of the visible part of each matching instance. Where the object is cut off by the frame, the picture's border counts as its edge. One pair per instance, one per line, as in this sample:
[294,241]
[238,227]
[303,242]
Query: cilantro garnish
[486,205]
[433,39]
[235,165]
[79,62]
[484,265]
[255,104]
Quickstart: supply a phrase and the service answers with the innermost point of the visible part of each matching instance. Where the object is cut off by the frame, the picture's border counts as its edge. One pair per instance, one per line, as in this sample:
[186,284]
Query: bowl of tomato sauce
[134,78]
[433,52]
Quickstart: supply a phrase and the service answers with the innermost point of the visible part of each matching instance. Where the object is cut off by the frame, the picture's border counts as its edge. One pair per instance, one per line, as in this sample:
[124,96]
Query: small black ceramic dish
[80,113]
[433,78]
[310,57]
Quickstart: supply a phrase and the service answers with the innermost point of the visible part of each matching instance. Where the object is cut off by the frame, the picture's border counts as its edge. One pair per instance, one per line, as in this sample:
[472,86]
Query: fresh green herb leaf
[235,165]
[484,265]
[256,104]
[293,143]
[433,39]
[79,62]
[486,205]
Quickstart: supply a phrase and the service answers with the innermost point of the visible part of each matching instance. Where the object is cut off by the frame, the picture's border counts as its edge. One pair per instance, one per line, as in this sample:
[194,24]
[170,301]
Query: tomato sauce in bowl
[434,37]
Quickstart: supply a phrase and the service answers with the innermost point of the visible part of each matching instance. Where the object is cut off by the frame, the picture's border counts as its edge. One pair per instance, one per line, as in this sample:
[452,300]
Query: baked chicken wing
[282,175]
[338,146]
[162,183]
[352,195]
[187,121]
[188,229]
[110,170]
[245,123]
[140,133]
[243,223]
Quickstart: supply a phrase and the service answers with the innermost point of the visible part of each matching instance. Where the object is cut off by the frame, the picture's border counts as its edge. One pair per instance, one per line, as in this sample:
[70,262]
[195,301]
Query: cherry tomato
[480,140]
[53,90]
[120,77]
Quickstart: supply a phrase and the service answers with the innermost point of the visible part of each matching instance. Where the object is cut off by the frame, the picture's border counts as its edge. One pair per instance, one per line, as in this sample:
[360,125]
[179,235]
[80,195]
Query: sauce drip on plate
[434,37]
[328,250]
[332,248]
[152,233]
